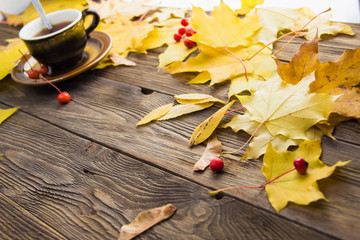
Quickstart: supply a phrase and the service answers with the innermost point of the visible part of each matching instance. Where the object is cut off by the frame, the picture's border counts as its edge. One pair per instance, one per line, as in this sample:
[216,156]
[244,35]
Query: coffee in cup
[63,46]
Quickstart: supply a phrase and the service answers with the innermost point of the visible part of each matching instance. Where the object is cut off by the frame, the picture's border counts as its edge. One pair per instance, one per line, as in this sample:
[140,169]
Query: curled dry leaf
[182,109]
[155,114]
[213,149]
[119,60]
[145,220]
[302,64]
[196,98]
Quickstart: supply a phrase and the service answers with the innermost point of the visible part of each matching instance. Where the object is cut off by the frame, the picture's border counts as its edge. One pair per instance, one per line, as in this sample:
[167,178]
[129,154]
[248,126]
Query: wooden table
[82,170]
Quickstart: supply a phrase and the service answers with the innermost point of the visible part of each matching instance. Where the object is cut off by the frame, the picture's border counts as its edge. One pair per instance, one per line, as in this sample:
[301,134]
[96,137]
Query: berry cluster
[187,31]
[63,97]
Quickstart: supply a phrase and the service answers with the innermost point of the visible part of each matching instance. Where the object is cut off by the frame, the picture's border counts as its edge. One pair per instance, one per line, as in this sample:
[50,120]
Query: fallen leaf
[191,98]
[294,187]
[302,64]
[213,149]
[285,19]
[247,6]
[5,113]
[127,36]
[119,60]
[201,78]
[175,52]
[179,110]
[289,110]
[145,220]
[338,76]
[223,63]
[207,127]
[223,28]
[10,54]
[158,37]
[281,112]
[348,104]
[155,114]
[241,84]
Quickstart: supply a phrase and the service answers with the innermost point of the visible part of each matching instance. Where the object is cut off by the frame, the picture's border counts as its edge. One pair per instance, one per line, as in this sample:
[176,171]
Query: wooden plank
[87,191]
[106,111]
[18,224]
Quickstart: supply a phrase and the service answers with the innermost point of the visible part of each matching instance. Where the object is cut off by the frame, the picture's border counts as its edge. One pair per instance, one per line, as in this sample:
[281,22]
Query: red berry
[33,74]
[184,22]
[43,70]
[177,37]
[63,97]
[189,43]
[190,31]
[217,164]
[182,31]
[300,165]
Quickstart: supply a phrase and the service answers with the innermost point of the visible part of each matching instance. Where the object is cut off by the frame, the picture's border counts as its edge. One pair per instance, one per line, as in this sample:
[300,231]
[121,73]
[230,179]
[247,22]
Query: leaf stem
[285,35]
[261,186]
[300,29]
[50,83]
[242,62]
[237,109]
[143,16]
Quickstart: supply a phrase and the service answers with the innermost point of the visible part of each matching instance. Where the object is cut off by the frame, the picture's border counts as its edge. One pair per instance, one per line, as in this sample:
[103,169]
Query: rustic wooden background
[82,170]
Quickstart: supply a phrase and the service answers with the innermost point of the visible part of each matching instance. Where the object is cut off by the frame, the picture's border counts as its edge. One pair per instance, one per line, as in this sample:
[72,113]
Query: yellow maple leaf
[207,127]
[338,76]
[49,6]
[201,78]
[302,63]
[223,63]
[281,112]
[294,187]
[348,104]
[240,84]
[158,37]
[223,28]
[247,6]
[5,113]
[155,114]
[126,35]
[10,54]
[175,52]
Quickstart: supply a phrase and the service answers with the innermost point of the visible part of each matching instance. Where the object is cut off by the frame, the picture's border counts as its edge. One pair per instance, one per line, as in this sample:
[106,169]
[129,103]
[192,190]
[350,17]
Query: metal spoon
[41,11]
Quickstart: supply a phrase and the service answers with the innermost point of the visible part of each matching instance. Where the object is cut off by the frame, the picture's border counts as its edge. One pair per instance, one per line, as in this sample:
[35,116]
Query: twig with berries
[300,165]
[63,97]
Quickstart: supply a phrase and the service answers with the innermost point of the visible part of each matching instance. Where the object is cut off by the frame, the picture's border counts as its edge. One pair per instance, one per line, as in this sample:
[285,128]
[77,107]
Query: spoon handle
[41,11]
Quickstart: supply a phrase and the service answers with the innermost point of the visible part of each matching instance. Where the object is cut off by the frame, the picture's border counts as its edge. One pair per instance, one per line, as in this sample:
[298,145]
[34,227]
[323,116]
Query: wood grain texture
[107,104]
[18,224]
[110,119]
[94,191]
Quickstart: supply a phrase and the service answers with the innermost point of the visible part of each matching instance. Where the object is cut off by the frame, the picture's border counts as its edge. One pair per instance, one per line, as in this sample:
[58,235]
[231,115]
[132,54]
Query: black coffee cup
[64,47]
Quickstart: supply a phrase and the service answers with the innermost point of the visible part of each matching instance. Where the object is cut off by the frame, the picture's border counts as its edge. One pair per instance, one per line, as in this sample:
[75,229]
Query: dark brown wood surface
[82,170]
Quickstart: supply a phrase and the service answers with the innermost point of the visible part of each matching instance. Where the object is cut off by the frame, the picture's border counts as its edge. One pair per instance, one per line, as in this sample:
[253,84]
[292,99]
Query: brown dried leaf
[302,64]
[119,60]
[338,76]
[213,149]
[348,105]
[145,220]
